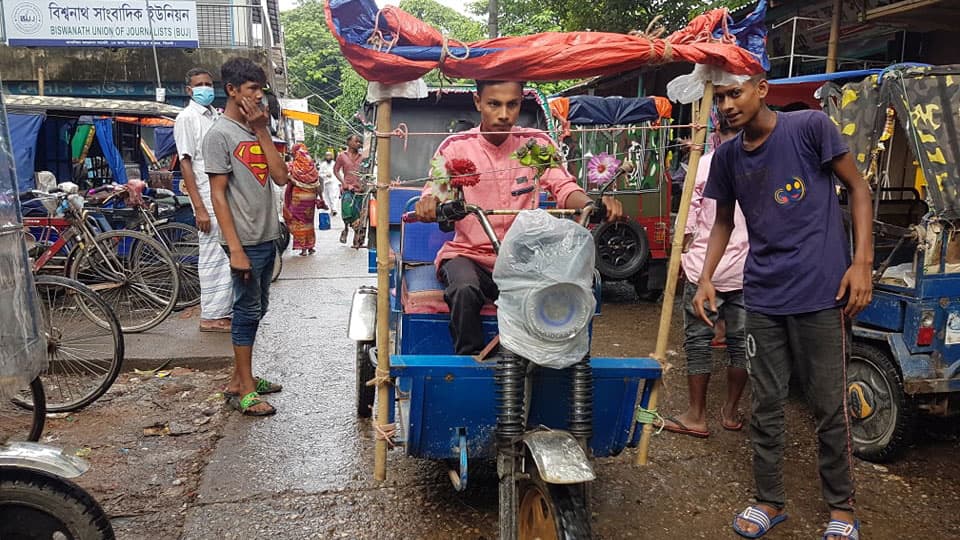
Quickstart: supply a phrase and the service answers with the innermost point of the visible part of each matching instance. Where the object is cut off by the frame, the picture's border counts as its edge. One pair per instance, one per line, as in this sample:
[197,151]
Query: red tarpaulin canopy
[391,46]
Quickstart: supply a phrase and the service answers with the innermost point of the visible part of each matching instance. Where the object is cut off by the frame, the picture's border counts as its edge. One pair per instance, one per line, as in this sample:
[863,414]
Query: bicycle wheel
[183,241]
[84,356]
[134,274]
[22,417]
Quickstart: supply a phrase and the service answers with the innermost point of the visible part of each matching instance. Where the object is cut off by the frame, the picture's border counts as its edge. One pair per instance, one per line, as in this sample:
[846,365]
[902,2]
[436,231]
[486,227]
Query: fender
[559,457]
[41,457]
[362,325]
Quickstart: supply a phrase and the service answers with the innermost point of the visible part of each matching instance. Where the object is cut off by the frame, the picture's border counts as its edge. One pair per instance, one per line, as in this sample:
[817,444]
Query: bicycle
[149,217]
[132,272]
[20,423]
[84,357]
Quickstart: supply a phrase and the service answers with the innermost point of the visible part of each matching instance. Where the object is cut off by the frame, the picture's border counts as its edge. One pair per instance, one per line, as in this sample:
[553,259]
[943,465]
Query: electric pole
[492,22]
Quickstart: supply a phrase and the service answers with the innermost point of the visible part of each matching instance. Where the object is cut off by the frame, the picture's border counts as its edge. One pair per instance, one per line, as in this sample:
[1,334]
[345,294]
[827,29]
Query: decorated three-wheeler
[534,400]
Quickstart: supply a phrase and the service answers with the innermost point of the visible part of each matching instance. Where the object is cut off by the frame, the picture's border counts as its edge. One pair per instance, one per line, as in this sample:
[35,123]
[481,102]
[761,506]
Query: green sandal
[266,387]
[245,403]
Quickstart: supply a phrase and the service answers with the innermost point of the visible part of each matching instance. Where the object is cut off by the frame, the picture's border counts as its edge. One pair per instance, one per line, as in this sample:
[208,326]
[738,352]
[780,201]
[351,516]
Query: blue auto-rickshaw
[901,126]
[454,408]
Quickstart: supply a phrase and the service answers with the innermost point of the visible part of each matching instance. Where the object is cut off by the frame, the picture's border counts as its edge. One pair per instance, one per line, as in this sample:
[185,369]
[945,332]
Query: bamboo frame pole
[383,285]
[673,270]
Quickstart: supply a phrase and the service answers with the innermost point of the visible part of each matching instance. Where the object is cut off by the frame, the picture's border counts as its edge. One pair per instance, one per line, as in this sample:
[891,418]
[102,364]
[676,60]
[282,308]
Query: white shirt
[191,126]
[326,171]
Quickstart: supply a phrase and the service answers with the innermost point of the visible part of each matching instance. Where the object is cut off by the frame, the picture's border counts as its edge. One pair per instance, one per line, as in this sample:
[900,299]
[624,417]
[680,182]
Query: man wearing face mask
[193,122]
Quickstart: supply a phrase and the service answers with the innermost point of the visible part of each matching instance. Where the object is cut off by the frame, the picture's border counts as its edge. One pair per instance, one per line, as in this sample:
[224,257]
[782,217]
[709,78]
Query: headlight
[558,312]
[76,202]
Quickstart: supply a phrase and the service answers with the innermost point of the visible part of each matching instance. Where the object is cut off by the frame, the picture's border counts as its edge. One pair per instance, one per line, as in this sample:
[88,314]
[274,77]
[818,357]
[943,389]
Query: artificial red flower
[463,172]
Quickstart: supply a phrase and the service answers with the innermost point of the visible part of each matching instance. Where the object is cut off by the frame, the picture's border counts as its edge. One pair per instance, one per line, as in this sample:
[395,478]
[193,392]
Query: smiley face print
[792,192]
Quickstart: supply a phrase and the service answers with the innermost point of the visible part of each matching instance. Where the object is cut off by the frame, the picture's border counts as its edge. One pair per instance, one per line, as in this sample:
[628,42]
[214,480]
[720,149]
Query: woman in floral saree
[302,197]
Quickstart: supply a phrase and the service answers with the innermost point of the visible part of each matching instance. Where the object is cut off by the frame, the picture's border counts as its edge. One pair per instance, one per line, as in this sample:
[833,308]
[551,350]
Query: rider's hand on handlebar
[614,208]
[202,218]
[426,209]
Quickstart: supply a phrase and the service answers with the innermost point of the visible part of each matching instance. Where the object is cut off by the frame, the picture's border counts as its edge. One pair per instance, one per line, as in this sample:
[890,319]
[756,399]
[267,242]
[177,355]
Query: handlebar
[450,212]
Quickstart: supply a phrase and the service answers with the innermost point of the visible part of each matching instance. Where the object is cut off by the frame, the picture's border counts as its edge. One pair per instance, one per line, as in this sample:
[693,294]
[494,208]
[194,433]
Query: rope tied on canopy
[445,50]
[378,40]
[654,33]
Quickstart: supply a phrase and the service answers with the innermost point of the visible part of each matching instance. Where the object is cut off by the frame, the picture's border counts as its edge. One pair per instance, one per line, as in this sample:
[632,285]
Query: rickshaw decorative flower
[602,168]
[448,177]
[462,172]
[539,156]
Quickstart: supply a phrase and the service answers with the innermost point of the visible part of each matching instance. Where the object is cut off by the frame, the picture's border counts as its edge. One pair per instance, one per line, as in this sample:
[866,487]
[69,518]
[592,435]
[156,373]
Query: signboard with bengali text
[100,23]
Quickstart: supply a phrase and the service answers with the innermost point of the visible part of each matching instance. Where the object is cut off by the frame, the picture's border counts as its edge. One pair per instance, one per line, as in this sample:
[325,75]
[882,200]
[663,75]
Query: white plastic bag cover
[545,274]
[411,90]
[689,88]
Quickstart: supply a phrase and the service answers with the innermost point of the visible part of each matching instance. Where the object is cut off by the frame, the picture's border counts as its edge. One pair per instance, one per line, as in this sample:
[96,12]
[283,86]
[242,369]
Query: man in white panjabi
[193,122]
[331,186]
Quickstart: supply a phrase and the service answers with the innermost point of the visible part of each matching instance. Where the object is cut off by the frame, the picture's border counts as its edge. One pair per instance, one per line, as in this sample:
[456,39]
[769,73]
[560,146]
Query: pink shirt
[703,212]
[348,165]
[499,176]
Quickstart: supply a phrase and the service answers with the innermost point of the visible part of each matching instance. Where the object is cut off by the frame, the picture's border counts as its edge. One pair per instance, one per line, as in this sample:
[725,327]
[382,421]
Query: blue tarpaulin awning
[595,110]
[24,128]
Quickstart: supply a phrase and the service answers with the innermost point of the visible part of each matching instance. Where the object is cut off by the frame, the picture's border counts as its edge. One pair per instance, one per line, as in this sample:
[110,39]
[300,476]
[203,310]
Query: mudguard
[362,325]
[41,457]
[559,457]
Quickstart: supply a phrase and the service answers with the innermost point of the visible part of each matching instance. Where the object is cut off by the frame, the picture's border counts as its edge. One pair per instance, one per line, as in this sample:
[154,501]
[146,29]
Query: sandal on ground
[679,427]
[266,387]
[842,529]
[311,251]
[753,514]
[246,403]
[343,236]
[727,425]
[303,253]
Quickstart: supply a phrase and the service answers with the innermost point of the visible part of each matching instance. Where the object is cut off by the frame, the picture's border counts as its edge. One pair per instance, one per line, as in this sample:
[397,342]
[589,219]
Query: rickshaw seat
[422,292]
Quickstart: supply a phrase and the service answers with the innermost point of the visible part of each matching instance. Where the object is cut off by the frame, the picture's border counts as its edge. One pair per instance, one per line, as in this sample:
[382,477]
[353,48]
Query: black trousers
[816,345]
[468,287]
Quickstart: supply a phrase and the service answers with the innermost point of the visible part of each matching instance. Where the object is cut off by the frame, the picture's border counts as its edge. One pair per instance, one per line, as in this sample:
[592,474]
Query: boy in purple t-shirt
[800,288]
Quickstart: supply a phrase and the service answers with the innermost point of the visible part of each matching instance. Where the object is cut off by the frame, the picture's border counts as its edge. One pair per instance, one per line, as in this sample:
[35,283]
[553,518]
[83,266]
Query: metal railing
[219,25]
[231,26]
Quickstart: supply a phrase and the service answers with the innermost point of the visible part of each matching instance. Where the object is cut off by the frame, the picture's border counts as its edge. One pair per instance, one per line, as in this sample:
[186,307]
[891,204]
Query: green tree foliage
[520,17]
[447,20]
[315,66]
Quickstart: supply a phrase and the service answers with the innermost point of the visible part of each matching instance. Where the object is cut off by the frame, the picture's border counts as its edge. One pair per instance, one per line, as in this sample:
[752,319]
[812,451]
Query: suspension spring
[509,377]
[581,401]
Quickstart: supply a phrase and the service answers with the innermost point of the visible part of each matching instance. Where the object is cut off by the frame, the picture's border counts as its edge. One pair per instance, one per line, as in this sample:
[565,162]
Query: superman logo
[251,154]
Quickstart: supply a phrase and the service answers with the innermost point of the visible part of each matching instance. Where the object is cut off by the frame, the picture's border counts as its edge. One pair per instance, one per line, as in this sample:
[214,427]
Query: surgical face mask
[203,95]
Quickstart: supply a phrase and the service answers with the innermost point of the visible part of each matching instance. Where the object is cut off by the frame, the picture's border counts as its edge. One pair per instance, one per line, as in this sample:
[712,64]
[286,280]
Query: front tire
[882,416]
[365,372]
[551,511]
[35,504]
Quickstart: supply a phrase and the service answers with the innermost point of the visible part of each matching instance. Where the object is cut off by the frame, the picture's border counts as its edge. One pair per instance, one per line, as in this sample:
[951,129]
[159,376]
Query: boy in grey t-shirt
[241,160]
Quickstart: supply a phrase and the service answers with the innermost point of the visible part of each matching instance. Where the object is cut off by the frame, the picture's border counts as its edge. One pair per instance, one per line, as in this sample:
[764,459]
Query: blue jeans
[251,296]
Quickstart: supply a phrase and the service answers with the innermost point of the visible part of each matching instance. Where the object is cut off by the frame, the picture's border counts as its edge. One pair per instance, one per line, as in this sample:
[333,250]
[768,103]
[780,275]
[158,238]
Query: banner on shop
[100,23]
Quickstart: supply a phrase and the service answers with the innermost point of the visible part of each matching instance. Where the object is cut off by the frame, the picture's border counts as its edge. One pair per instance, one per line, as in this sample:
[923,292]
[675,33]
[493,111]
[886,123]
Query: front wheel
[881,415]
[35,504]
[551,511]
[134,274]
[23,416]
[183,241]
[84,343]
[365,372]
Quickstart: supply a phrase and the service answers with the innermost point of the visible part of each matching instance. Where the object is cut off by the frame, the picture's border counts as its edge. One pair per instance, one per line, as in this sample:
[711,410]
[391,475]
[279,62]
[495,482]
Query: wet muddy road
[307,472]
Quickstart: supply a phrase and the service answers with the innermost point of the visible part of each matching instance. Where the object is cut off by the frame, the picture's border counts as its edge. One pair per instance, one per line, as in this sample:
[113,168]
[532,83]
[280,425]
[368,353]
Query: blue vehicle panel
[440,395]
